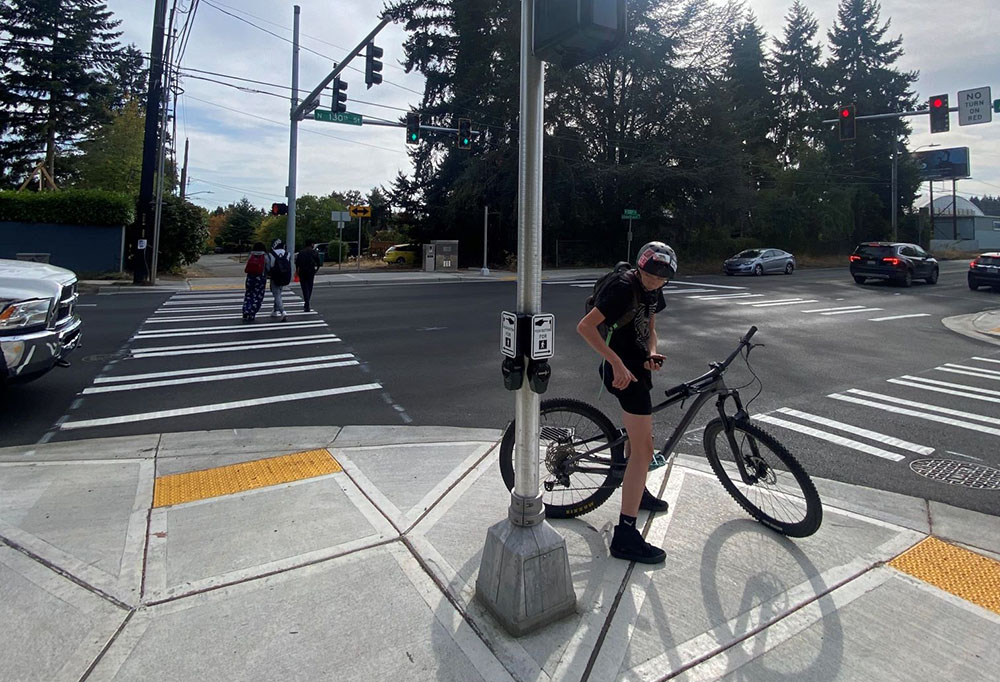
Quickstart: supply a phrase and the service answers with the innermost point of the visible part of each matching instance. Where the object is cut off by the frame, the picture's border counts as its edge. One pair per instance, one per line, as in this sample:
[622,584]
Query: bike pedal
[658,461]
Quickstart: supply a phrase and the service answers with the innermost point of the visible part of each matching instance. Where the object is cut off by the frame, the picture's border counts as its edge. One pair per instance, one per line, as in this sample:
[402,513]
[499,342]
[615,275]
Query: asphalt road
[837,366]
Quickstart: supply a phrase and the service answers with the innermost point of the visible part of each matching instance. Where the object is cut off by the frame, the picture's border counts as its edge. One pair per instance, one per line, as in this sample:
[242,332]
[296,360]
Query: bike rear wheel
[570,486]
[780,493]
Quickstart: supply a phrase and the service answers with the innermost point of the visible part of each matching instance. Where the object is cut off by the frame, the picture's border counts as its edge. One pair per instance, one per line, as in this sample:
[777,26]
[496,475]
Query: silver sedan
[760,262]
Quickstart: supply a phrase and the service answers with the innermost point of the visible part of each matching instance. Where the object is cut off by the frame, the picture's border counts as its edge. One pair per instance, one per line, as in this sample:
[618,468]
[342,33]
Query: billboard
[943,164]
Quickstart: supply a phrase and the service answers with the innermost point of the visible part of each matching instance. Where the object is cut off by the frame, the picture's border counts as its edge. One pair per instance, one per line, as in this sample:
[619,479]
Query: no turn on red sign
[974,106]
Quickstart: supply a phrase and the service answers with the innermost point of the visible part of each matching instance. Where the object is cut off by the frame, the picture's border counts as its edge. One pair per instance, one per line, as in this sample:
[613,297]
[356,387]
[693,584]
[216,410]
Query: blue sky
[239,140]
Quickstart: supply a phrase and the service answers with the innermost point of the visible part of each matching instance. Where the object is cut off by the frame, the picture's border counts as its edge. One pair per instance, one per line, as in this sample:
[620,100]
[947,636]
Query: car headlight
[21,314]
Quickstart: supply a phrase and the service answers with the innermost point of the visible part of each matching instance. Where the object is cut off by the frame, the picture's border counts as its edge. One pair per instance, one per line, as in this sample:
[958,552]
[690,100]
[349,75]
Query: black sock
[625,520]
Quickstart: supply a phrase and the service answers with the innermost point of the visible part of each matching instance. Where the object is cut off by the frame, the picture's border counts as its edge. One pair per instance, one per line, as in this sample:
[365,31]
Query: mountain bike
[582,454]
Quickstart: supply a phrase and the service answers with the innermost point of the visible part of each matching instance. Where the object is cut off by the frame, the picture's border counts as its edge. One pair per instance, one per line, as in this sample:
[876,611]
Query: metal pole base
[484,270]
[524,577]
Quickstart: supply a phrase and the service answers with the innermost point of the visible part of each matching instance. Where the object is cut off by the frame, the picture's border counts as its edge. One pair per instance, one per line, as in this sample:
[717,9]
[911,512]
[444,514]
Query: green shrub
[67,207]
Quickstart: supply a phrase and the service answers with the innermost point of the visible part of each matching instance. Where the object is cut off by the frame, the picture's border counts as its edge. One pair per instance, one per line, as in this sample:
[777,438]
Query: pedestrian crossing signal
[279,209]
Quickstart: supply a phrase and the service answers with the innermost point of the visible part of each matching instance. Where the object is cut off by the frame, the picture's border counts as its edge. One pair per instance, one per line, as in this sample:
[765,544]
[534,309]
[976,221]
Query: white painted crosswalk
[913,403]
[195,355]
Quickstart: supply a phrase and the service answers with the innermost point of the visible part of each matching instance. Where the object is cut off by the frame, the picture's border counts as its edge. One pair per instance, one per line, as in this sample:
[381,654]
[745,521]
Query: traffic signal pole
[293,139]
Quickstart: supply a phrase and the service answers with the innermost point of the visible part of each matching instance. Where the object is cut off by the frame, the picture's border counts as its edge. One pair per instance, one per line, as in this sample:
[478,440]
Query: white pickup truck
[39,326]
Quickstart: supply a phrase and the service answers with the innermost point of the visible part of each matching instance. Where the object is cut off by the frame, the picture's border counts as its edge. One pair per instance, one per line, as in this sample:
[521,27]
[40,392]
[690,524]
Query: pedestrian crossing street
[739,296]
[928,412]
[196,359]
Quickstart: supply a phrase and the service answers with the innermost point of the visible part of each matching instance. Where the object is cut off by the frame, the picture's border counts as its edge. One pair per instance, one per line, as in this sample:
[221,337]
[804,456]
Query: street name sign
[974,106]
[337,117]
[630,214]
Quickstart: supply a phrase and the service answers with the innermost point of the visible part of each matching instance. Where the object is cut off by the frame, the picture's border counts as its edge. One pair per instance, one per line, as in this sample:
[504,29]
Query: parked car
[985,271]
[39,326]
[897,262]
[759,262]
[402,254]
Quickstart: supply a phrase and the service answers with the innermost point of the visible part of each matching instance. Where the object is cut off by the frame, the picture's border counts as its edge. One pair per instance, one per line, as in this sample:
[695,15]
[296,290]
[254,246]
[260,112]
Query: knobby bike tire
[795,497]
[562,418]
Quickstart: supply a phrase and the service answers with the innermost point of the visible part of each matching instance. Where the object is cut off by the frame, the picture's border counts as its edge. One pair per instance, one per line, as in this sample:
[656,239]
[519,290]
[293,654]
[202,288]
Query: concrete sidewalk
[351,554]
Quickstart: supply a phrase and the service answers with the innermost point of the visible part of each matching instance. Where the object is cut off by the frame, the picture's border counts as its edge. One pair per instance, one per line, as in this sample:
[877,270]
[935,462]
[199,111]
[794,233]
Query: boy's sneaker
[628,544]
[651,503]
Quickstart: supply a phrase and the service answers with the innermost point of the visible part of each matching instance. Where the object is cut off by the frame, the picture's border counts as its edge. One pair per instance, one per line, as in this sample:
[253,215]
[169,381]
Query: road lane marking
[212,348]
[961,394]
[985,372]
[720,297]
[964,373]
[846,312]
[914,413]
[826,310]
[858,431]
[830,437]
[767,304]
[897,317]
[987,360]
[926,406]
[233,306]
[211,331]
[219,344]
[216,407]
[668,291]
[280,369]
[209,370]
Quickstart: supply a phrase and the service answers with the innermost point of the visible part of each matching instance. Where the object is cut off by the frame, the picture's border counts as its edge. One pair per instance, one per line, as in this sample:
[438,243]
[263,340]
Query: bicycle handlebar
[743,342]
[717,367]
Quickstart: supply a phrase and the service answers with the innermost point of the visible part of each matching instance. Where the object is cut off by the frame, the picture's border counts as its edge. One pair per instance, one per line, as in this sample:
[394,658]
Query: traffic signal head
[940,120]
[373,67]
[464,133]
[279,209]
[412,128]
[847,122]
[339,96]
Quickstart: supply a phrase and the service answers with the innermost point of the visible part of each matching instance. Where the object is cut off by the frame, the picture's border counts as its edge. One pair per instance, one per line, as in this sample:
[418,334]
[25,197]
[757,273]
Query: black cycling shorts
[634,398]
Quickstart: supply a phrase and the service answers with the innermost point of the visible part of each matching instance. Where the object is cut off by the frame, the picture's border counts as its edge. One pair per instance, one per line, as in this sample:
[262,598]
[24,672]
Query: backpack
[601,284]
[255,264]
[281,271]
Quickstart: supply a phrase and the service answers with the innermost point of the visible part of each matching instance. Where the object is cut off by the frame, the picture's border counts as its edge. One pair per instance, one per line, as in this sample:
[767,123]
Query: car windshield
[875,251]
[749,253]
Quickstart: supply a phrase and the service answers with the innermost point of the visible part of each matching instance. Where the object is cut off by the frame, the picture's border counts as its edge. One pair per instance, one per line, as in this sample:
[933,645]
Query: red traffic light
[845,112]
[937,103]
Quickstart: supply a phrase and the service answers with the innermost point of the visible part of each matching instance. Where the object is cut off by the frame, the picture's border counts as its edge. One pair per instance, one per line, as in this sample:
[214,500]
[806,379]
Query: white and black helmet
[658,259]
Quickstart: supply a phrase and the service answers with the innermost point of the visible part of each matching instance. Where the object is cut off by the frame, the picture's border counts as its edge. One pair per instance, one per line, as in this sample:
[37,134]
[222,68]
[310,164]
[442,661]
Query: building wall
[84,249]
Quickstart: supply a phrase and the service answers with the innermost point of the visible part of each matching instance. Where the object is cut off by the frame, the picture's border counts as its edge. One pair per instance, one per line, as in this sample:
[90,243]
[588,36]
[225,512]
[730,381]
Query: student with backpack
[307,262]
[279,269]
[621,327]
[256,269]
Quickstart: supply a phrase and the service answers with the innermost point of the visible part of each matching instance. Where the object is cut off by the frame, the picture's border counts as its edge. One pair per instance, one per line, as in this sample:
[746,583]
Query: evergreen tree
[111,158]
[51,85]
[797,75]
[861,71]
[243,219]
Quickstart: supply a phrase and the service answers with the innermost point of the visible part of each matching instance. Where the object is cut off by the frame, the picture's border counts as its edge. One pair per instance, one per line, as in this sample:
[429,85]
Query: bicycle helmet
[658,259]
[277,244]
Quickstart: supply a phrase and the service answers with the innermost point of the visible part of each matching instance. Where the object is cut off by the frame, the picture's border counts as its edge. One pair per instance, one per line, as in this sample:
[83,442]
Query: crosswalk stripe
[961,387]
[830,437]
[897,317]
[205,318]
[987,360]
[719,297]
[231,307]
[858,431]
[667,292]
[987,372]
[847,312]
[234,329]
[268,371]
[915,413]
[234,344]
[211,348]
[768,304]
[925,406]
[826,310]
[216,407]
[209,370]
[940,389]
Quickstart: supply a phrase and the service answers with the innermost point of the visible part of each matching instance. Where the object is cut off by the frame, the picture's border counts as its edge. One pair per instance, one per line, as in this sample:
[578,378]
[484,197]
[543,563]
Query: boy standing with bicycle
[627,306]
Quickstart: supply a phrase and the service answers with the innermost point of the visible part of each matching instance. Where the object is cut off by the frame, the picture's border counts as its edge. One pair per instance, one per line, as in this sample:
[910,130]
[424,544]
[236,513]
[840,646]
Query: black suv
[900,263]
[985,271]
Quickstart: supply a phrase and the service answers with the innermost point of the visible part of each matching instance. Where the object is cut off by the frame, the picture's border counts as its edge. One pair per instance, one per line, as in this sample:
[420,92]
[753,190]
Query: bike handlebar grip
[749,335]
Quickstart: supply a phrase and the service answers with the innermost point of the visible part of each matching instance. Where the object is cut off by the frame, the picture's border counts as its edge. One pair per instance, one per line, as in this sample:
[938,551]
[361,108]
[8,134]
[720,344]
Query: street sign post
[629,214]
[337,117]
[974,106]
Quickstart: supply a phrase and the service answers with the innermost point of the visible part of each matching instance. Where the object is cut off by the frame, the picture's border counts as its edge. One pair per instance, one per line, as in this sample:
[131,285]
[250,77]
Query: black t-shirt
[630,341]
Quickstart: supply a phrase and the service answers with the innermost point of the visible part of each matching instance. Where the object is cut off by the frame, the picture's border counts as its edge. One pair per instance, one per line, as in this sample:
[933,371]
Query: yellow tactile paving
[199,485]
[965,574]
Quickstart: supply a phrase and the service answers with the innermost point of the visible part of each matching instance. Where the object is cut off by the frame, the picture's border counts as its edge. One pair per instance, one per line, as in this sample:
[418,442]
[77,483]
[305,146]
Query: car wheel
[400,260]
[973,285]
[859,279]
[934,276]
[758,269]
[907,279]
[789,268]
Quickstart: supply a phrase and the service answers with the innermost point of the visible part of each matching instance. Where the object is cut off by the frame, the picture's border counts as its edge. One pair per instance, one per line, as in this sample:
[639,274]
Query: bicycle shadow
[741,629]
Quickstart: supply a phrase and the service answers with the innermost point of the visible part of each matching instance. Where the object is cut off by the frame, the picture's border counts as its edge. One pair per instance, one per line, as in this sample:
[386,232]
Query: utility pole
[161,164]
[184,170]
[144,213]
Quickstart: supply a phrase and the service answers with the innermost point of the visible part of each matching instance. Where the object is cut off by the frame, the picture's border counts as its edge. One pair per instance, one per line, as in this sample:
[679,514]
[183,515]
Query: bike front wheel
[578,469]
[778,492]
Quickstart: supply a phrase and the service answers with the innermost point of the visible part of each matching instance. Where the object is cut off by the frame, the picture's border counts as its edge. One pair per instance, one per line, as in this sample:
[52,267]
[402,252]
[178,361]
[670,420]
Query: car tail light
[855,258]
[892,261]
[973,263]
